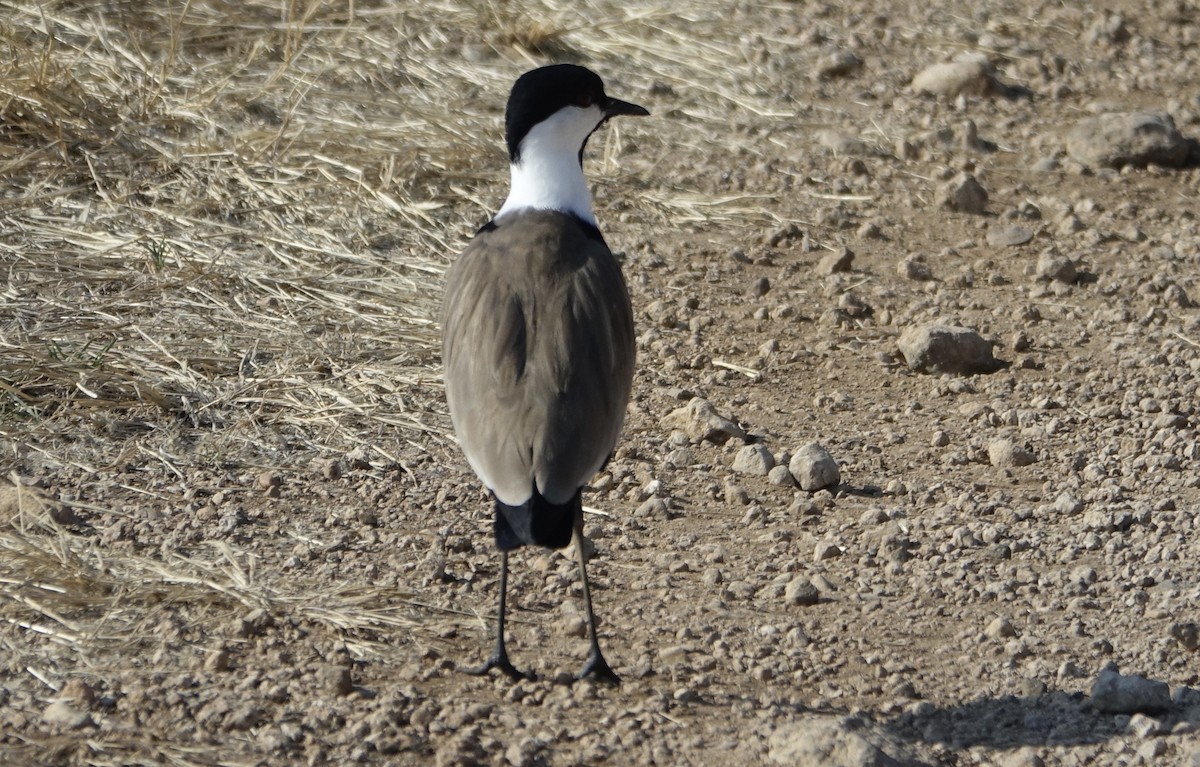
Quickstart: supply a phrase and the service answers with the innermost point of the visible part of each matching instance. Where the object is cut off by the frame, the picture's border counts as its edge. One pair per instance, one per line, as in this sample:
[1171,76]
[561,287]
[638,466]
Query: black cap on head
[541,92]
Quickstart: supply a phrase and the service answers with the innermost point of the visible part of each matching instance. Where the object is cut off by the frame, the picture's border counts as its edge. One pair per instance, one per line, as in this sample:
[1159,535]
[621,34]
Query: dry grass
[223,229]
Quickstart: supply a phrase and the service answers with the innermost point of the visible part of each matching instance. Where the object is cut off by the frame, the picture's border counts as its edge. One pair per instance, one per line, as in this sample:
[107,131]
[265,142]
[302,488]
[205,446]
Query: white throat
[547,175]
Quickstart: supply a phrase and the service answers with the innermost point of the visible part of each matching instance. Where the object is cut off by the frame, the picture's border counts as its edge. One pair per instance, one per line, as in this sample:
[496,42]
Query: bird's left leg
[596,666]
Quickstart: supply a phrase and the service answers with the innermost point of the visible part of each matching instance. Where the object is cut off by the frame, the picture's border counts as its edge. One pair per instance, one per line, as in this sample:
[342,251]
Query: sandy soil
[312,607]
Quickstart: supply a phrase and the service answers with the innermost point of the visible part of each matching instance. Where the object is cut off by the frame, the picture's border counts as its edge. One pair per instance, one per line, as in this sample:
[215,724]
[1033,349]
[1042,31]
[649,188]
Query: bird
[538,336]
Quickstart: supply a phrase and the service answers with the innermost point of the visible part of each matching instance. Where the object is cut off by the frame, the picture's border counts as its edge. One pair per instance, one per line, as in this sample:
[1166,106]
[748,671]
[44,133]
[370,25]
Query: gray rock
[1116,694]
[969,75]
[1005,452]
[1056,268]
[1000,628]
[836,262]
[63,714]
[827,742]
[826,550]
[934,348]
[964,194]
[814,468]
[912,268]
[1186,634]
[781,476]
[1116,139]
[1009,235]
[801,591]
[700,420]
[753,459]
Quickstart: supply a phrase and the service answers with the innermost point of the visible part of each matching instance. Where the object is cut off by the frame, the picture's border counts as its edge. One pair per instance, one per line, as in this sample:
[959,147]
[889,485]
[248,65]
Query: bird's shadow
[1052,719]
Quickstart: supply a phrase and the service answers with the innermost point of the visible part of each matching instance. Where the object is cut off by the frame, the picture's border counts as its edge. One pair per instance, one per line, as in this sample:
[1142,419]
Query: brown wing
[538,350]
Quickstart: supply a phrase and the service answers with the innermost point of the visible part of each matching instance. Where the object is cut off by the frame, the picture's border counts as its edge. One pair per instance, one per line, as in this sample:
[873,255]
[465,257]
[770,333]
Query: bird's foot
[497,661]
[597,668]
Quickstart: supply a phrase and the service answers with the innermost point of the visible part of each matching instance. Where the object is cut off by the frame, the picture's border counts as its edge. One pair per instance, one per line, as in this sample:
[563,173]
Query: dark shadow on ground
[1051,719]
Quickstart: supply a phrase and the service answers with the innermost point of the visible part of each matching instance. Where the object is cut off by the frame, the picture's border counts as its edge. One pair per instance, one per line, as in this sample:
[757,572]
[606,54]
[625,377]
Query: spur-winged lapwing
[538,340]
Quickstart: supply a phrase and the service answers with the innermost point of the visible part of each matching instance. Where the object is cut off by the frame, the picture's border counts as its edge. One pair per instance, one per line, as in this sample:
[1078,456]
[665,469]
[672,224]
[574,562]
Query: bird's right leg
[499,658]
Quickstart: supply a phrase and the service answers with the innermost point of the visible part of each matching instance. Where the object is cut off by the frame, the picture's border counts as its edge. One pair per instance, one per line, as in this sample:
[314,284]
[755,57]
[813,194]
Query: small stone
[1052,268]
[331,469]
[1008,235]
[653,508]
[1114,140]
[781,476]
[1116,694]
[1186,634]
[254,623]
[964,194]
[914,269]
[755,460]
[217,660]
[801,592]
[1020,342]
[823,741]
[1005,453]
[1144,726]
[78,691]
[62,714]
[826,550]
[970,75]
[700,420]
[837,262]
[736,494]
[1066,503]
[573,624]
[854,306]
[337,679]
[937,348]
[814,468]
[940,439]
[1000,628]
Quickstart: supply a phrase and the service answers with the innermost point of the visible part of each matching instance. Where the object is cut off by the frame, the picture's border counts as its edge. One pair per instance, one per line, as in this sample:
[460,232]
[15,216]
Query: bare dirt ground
[240,532]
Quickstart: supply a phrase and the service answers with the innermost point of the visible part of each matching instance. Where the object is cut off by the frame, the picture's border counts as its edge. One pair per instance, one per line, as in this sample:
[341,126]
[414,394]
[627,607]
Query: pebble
[1051,267]
[1145,726]
[1114,140]
[781,476]
[65,715]
[964,194]
[826,550]
[754,460]
[801,591]
[1000,628]
[1116,694]
[969,75]
[1186,634]
[821,741]
[701,422]
[935,348]
[913,269]
[1006,453]
[814,468]
[1008,235]
[836,263]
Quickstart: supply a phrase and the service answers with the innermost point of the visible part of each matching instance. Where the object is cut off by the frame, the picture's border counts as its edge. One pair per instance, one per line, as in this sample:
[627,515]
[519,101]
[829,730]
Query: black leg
[596,667]
[499,658]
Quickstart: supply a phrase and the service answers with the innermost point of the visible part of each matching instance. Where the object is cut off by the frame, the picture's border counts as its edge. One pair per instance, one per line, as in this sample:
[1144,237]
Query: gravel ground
[991,556]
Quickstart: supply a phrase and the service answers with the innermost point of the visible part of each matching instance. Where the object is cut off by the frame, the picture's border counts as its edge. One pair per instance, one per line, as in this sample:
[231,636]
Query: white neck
[547,175]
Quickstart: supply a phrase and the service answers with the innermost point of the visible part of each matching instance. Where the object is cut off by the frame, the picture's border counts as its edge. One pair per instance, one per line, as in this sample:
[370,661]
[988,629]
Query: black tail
[537,522]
